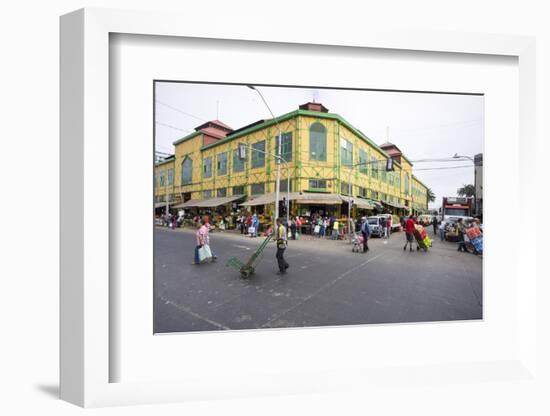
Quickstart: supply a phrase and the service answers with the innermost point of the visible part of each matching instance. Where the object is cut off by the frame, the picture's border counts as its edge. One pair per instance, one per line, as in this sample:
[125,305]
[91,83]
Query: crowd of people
[322,226]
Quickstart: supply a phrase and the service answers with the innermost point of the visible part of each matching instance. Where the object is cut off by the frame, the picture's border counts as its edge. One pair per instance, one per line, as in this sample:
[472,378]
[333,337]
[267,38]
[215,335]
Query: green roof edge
[165,162]
[294,113]
[184,138]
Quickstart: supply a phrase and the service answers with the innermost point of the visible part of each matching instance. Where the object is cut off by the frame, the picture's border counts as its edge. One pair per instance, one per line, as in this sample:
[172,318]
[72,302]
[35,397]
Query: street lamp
[388,168]
[457,156]
[278,158]
[242,155]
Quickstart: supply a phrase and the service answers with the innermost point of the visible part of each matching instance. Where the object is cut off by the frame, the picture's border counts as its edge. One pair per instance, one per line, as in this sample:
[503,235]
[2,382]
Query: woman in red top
[409,232]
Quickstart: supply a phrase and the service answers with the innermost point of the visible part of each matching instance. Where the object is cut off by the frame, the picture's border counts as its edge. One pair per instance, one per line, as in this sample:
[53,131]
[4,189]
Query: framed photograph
[283,213]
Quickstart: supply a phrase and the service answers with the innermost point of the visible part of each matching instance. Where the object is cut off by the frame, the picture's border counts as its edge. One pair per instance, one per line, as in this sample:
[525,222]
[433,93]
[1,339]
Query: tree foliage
[466,190]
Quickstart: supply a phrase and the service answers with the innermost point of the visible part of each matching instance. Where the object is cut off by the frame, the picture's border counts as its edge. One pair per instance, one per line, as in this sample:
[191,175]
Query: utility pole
[278,159]
[287,207]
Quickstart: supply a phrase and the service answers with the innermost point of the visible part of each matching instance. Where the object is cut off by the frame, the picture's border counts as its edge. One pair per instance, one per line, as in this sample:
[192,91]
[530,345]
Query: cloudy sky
[423,126]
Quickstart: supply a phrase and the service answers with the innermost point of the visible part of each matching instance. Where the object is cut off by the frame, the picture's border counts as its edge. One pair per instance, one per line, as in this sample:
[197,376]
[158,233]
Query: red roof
[314,107]
[391,148]
[214,124]
[211,131]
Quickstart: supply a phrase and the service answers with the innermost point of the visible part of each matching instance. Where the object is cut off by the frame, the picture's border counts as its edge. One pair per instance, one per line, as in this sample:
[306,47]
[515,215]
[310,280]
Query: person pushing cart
[281,240]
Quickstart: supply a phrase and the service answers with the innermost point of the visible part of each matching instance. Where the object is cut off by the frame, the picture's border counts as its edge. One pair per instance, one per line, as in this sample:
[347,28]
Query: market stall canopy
[318,198]
[209,202]
[360,203]
[162,204]
[394,204]
[265,199]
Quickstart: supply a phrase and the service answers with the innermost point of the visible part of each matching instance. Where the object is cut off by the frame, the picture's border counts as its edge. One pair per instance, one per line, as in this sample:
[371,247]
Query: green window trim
[317,184]
[207,167]
[346,152]
[238,163]
[222,164]
[318,142]
[257,159]
[187,171]
[257,189]
[363,158]
[286,146]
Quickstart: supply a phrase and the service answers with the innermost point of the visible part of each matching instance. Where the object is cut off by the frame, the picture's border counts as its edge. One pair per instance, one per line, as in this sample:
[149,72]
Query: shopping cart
[247,269]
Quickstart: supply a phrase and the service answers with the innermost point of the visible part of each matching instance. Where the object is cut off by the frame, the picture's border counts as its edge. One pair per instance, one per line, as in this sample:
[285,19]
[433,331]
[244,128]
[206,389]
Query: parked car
[395,225]
[375,227]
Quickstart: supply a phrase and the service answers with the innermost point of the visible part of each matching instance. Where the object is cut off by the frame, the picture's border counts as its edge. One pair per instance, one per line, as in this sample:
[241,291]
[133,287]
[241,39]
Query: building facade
[320,149]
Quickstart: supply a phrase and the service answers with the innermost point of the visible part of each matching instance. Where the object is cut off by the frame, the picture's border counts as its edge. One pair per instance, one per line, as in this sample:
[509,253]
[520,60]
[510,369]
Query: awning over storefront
[162,204]
[256,200]
[209,202]
[360,203]
[394,204]
[318,199]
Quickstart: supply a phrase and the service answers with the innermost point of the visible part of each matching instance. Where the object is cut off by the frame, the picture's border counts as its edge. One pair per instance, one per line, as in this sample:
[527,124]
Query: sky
[423,126]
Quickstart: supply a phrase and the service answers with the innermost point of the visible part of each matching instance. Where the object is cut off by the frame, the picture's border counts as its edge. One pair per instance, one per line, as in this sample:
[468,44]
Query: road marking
[325,286]
[246,248]
[196,315]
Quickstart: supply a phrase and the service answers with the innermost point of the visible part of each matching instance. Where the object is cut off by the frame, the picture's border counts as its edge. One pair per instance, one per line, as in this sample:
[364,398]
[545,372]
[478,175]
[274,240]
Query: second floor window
[207,194]
[207,167]
[187,171]
[286,146]
[258,155]
[222,164]
[162,178]
[221,192]
[318,142]
[363,158]
[374,167]
[346,152]
[238,163]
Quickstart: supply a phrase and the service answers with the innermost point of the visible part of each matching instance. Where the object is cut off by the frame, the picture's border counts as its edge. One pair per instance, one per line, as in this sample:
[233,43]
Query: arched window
[187,171]
[318,142]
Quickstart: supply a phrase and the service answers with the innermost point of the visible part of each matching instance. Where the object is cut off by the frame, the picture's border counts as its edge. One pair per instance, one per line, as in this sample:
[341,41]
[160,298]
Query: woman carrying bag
[202,250]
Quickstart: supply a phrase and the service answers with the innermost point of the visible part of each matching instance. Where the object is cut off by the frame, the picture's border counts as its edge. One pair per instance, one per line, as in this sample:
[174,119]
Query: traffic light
[282,207]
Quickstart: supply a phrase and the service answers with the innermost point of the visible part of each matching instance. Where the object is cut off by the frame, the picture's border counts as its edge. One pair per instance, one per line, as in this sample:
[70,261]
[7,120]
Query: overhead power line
[179,111]
[172,127]
[445,167]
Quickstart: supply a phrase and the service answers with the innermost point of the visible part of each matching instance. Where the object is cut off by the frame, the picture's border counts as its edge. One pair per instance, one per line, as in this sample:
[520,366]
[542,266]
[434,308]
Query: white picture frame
[85,216]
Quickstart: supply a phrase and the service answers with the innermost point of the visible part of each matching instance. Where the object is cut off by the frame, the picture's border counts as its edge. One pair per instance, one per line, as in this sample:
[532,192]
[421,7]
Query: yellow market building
[206,173]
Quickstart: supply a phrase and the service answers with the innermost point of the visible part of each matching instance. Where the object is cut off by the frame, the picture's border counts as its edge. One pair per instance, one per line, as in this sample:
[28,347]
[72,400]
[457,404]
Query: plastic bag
[204,253]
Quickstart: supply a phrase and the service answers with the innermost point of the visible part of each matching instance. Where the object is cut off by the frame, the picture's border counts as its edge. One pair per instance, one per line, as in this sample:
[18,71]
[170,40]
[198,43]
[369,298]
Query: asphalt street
[326,284]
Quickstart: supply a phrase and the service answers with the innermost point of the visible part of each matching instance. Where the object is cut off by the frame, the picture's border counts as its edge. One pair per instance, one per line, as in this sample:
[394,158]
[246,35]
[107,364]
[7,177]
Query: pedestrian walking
[388,226]
[435,224]
[442,230]
[293,229]
[461,230]
[409,232]
[365,232]
[383,225]
[255,224]
[335,230]
[200,236]
[281,240]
